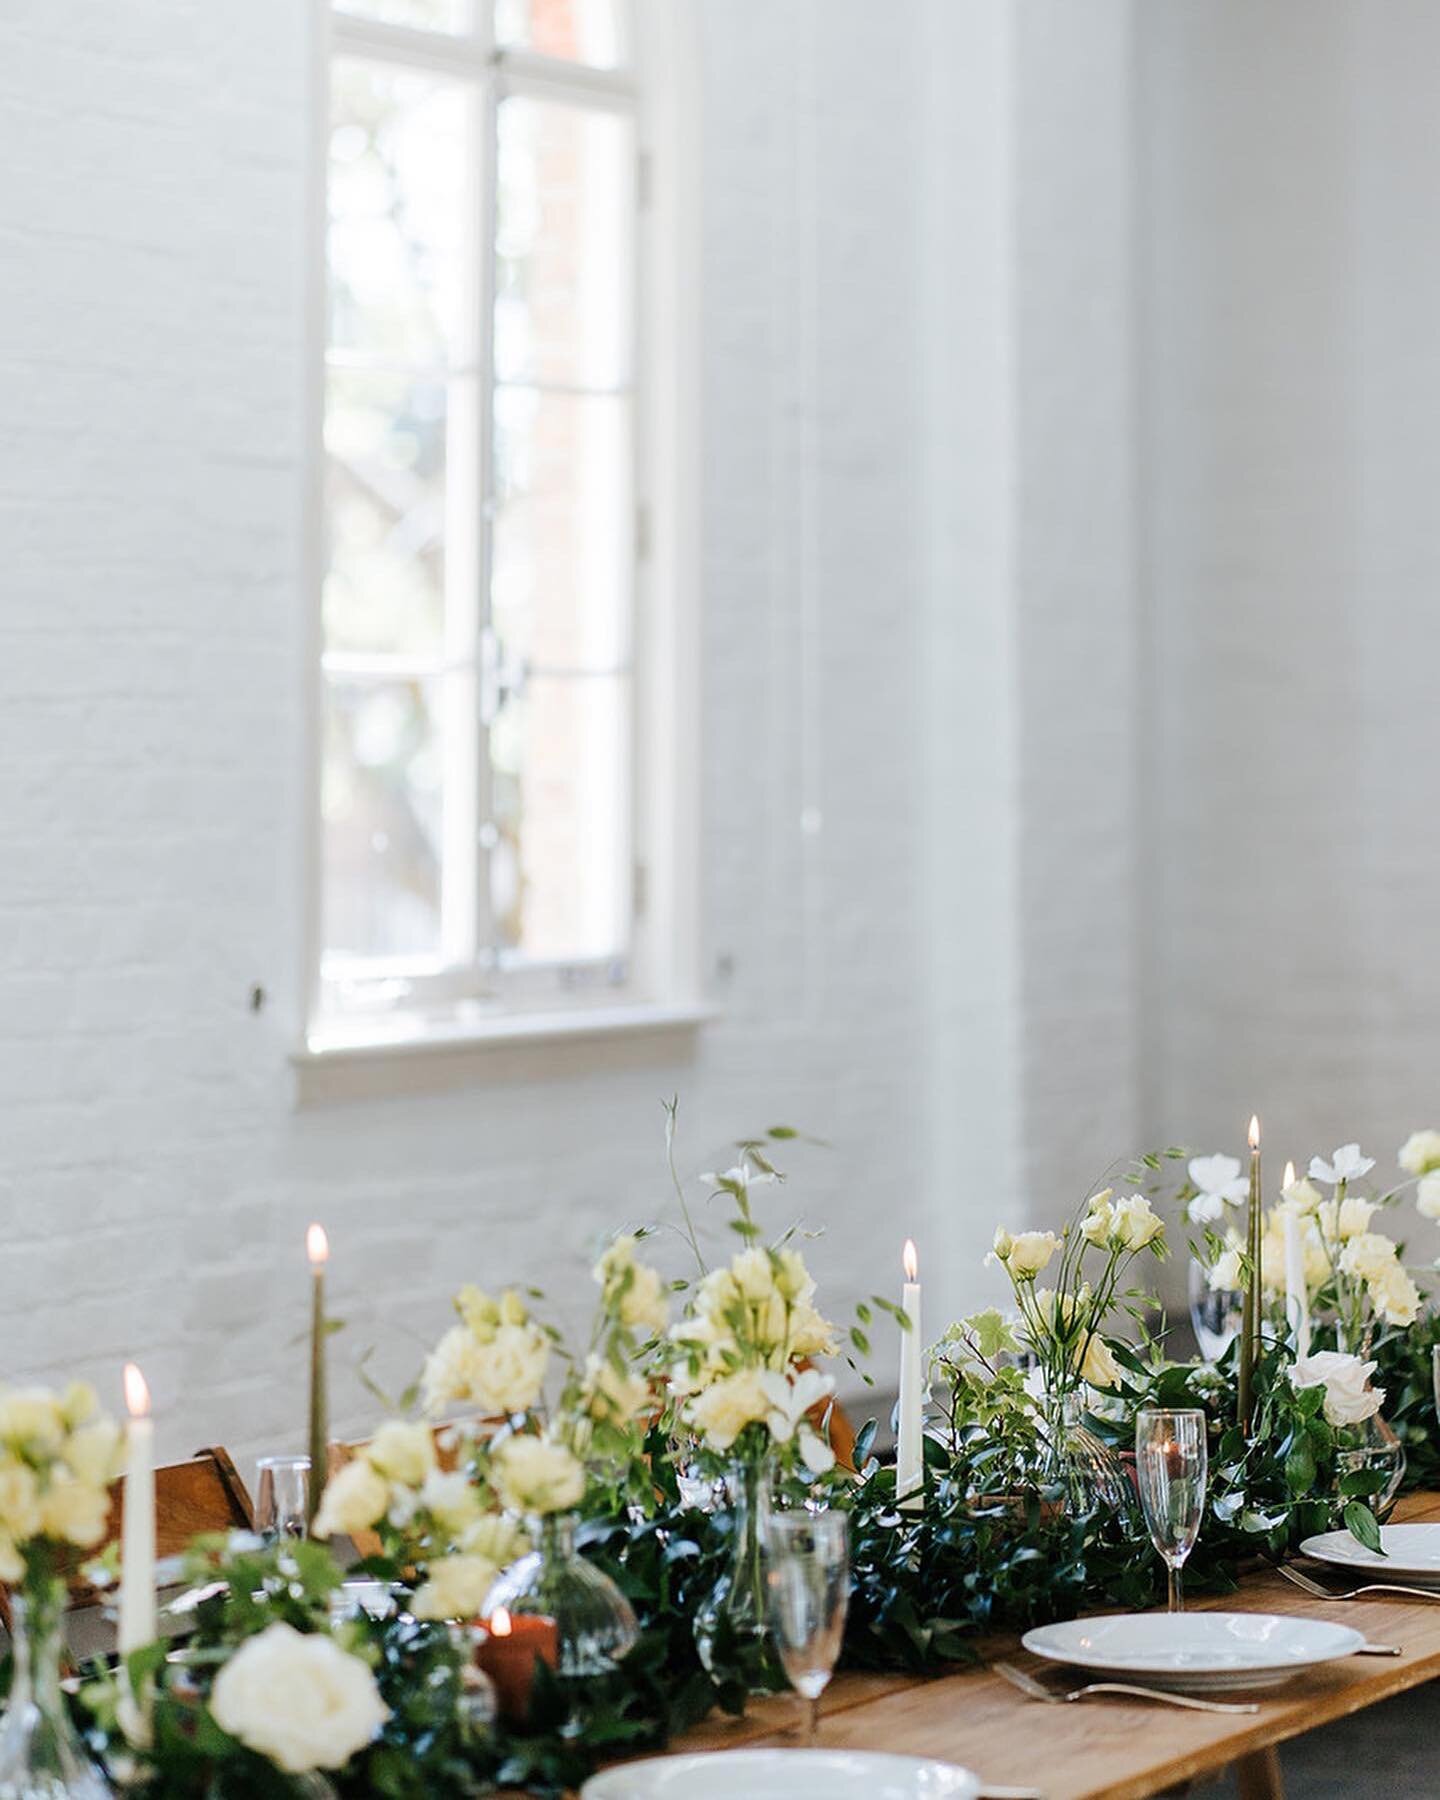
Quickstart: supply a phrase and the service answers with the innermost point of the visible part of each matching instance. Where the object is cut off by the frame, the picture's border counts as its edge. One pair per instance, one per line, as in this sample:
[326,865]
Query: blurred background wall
[1068,435]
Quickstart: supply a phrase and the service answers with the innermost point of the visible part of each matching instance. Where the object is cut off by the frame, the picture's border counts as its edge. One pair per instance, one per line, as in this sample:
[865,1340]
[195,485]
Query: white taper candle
[910,1434]
[137,1543]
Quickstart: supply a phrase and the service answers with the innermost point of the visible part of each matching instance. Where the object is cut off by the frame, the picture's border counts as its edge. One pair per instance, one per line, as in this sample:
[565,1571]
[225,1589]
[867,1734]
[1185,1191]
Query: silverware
[1370,1587]
[1380,1650]
[1010,1793]
[1027,1684]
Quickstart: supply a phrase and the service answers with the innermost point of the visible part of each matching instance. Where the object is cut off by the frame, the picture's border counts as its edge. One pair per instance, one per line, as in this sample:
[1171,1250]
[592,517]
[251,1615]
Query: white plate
[1195,1650]
[784,1775]
[1412,1554]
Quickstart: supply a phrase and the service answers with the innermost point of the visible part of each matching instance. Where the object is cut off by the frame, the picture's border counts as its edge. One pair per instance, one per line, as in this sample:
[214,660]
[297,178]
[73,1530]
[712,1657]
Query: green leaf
[1364,1526]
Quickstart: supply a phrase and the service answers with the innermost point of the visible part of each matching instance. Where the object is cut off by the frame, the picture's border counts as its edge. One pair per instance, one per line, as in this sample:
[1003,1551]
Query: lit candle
[910,1435]
[1250,1324]
[513,1644]
[1297,1297]
[317,1248]
[137,1543]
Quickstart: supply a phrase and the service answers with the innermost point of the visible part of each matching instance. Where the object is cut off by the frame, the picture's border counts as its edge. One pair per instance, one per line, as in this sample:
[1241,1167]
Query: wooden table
[1115,1749]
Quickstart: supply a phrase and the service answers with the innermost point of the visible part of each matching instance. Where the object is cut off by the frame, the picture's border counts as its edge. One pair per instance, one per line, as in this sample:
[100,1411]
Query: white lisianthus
[1026,1253]
[535,1475]
[355,1499]
[1427,1197]
[1420,1153]
[792,1398]
[753,1274]
[455,1587]
[1371,1255]
[1136,1225]
[450,1500]
[504,1372]
[1347,1220]
[612,1396]
[78,1405]
[1220,1184]
[403,1452]
[723,1410]
[298,1699]
[1095,1226]
[30,1419]
[1349,1397]
[1395,1296]
[1226,1271]
[19,1502]
[1303,1196]
[74,1512]
[1347,1164]
[95,1453]
[498,1540]
[811,1335]
[1099,1366]
[634,1290]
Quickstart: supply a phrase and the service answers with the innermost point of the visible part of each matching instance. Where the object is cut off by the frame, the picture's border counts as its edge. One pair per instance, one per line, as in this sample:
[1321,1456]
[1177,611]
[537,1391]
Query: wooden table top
[1111,1749]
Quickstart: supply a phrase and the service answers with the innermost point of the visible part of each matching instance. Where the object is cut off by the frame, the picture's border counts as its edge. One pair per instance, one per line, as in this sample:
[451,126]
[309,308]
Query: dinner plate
[1195,1651]
[784,1775]
[1412,1554]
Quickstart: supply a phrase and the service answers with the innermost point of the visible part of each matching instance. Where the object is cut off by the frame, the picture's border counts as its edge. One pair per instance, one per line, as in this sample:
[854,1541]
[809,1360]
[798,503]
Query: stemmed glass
[282,1492]
[1435,1368]
[807,1591]
[1171,1463]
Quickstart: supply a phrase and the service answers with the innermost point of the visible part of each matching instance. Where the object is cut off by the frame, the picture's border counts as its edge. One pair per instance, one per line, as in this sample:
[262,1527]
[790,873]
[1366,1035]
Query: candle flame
[137,1394]
[1255,1133]
[910,1260]
[1289,1180]
[500,1625]
[317,1246]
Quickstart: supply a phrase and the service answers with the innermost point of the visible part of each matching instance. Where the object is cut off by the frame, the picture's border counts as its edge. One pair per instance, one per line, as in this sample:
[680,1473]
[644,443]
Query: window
[480,800]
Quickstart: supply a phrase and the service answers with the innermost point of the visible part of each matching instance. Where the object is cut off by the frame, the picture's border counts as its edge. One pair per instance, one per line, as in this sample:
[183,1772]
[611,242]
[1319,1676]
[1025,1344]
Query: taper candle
[137,1536]
[317,1248]
[910,1433]
[1297,1294]
[1250,1323]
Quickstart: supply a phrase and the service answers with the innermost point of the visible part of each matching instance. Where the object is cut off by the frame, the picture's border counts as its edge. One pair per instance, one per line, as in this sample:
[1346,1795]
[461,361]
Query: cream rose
[498,1540]
[1136,1225]
[534,1475]
[298,1699]
[1371,1256]
[450,1500]
[1304,1196]
[753,1274]
[94,1453]
[727,1406]
[1427,1197]
[354,1500]
[1395,1296]
[31,1417]
[1095,1226]
[74,1511]
[455,1588]
[1349,1397]
[1420,1153]
[1099,1367]
[403,1452]
[610,1396]
[1028,1252]
[1348,1220]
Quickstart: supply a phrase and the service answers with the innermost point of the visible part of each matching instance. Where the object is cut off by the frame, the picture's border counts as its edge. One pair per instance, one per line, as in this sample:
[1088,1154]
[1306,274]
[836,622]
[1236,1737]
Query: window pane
[560,857]
[431,15]
[386,474]
[563,304]
[400,268]
[564,528]
[585,31]
[381,799]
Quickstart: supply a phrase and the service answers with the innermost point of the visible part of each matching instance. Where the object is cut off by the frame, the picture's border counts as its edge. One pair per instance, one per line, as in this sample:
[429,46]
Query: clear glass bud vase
[42,1756]
[1369,1448]
[595,1621]
[1088,1472]
[732,1632]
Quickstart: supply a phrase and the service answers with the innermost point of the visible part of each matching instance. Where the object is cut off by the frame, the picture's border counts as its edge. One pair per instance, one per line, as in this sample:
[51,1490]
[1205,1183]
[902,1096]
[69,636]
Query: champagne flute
[282,1488]
[1171,1463]
[807,1591]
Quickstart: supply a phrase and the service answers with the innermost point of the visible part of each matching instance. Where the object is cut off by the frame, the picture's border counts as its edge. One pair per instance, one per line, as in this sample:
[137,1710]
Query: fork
[1370,1587]
[1027,1684]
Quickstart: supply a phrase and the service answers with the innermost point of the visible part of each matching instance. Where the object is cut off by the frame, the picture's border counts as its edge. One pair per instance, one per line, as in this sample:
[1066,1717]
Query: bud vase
[1088,1472]
[594,1620]
[1369,1448]
[732,1632]
[42,1756]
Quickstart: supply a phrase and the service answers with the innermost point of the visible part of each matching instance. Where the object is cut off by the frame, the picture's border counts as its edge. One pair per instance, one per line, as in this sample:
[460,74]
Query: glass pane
[400,161]
[381,802]
[559,841]
[563,302]
[587,31]
[385,492]
[428,15]
[564,529]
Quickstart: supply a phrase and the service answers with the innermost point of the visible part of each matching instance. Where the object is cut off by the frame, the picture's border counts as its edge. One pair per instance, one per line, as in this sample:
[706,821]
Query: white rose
[298,1699]
[1135,1223]
[31,1417]
[1029,1253]
[450,1500]
[511,1374]
[1371,1256]
[455,1588]
[498,1540]
[403,1452]
[451,1369]
[1349,1397]
[1100,1368]
[645,1306]
[74,1512]
[1349,1220]
[1420,1153]
[1395,1296]
[1427,1197]
[727,1406]
[354,1500]
[93,1454]
[533,1475]
[1304,1196]
[19,1502]
[610,1396]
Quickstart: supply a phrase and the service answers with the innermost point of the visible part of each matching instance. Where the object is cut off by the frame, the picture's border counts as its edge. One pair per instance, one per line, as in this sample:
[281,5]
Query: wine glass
[1170,1462]
[807,1591]
[1435,1370]
[282,1495]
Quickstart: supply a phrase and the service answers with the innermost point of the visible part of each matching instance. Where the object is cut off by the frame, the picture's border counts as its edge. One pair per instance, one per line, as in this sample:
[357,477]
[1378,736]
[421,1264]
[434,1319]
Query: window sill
[365,1058]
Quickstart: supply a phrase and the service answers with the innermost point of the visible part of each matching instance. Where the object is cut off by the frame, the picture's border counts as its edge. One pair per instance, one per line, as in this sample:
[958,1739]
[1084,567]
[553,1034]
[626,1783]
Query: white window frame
[658,89]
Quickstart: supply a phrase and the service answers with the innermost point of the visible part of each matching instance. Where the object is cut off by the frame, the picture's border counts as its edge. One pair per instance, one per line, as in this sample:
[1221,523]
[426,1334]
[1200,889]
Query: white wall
[156,1170]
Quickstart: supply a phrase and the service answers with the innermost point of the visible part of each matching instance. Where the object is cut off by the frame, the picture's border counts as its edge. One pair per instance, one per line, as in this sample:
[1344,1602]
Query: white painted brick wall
[155,1171]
